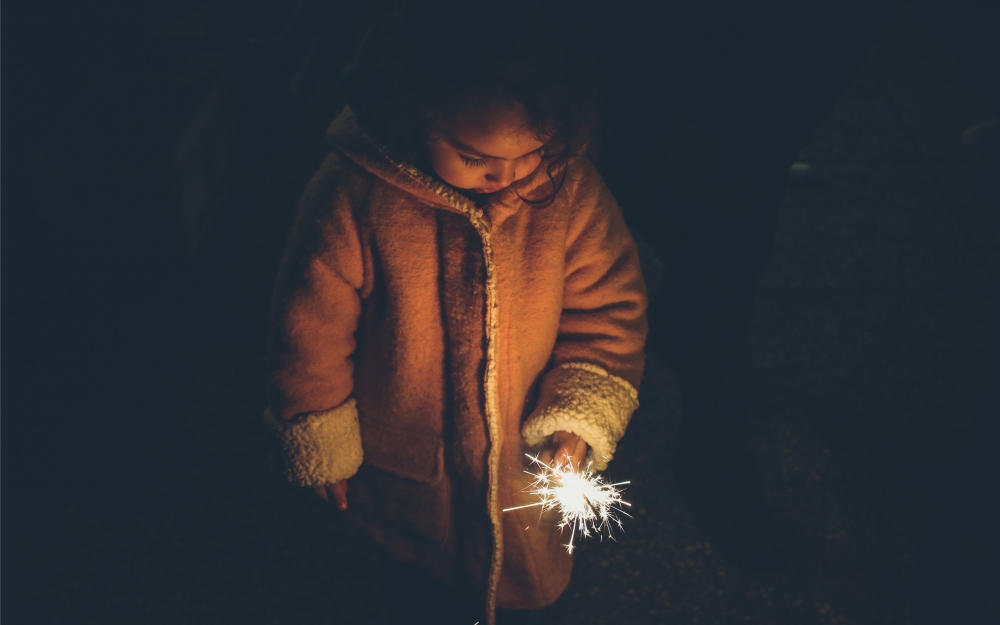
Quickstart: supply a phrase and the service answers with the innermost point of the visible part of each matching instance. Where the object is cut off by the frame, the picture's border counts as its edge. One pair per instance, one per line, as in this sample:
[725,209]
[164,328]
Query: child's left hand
[564,447]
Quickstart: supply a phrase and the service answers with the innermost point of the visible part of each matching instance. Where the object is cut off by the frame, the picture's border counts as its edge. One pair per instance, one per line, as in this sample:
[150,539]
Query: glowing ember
[586,502]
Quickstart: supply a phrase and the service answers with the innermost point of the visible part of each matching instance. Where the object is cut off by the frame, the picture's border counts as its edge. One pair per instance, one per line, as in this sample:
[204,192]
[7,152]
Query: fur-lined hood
[350,139]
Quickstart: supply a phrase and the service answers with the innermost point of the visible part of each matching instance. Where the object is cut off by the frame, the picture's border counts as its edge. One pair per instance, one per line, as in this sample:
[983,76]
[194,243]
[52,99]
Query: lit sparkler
[587,503]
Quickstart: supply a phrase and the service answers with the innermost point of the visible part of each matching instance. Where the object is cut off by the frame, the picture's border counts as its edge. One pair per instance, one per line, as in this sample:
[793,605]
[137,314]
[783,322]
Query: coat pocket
[403,482]
[413,455]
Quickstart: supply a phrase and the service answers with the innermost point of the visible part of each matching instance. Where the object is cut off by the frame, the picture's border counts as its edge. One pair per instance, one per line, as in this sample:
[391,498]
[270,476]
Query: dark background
[152,155]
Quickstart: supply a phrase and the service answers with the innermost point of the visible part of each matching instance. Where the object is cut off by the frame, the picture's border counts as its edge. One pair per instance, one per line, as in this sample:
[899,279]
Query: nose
[504,174]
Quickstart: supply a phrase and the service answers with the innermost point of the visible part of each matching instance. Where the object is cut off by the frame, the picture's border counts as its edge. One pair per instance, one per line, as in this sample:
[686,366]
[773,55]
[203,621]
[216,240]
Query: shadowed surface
[875,339]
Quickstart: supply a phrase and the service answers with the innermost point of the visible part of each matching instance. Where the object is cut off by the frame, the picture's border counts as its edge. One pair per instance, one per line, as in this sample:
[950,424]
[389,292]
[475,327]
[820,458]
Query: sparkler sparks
[587,503]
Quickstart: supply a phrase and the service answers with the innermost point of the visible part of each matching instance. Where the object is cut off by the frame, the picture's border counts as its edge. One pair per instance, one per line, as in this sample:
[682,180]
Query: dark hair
[439,58]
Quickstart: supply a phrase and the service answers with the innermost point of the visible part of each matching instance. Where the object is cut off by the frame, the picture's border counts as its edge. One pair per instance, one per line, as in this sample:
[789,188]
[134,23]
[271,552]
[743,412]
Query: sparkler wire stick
[585,502]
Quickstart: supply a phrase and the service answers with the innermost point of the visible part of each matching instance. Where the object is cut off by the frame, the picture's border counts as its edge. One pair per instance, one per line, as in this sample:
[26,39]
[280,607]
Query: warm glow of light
[586,503]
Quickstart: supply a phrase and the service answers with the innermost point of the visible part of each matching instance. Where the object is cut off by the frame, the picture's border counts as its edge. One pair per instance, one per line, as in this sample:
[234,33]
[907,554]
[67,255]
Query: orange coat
[421,345]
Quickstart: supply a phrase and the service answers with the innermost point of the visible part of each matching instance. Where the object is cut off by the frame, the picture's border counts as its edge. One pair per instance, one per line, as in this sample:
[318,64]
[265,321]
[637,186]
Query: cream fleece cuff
[586,400]
[321,447]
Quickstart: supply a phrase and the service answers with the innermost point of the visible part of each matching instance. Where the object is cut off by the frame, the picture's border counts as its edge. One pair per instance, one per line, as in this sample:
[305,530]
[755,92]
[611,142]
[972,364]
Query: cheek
[443,164]
[455,172]
[529,166]
[439,161]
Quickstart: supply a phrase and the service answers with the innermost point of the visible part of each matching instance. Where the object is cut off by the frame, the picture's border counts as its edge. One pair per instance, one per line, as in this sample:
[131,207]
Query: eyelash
[479,162]
[473,162]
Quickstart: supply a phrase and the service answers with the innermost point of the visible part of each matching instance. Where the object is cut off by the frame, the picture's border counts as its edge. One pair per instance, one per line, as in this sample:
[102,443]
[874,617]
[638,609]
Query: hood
[349,139]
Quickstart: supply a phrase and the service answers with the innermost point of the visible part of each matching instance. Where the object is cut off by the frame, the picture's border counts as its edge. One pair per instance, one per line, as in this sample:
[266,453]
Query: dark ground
[136,485]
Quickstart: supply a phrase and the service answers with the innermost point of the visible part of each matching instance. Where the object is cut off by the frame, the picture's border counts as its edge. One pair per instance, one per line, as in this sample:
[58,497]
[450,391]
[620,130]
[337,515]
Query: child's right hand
[338,491]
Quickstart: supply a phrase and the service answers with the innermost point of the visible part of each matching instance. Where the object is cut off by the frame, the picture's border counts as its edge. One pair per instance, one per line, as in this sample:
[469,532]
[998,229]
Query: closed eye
[472,162]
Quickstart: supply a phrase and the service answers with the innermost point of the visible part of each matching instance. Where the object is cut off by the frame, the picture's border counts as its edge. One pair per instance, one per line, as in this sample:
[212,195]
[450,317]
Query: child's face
[485,150]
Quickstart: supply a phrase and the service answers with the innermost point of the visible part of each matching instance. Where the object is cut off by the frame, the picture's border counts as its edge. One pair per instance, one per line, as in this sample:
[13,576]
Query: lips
[487,191]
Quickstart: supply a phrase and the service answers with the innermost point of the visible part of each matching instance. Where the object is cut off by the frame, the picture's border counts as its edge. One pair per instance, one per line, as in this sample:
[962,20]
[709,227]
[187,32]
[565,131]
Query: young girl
[460,289]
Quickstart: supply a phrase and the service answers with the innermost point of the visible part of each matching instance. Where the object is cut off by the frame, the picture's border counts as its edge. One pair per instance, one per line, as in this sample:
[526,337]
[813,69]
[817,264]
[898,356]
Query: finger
[564,455]
[321,491]
[340,494]
[580,454]
[545,457]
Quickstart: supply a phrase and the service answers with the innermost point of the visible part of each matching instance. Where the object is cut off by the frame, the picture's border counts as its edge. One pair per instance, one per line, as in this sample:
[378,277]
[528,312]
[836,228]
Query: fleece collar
[345,134]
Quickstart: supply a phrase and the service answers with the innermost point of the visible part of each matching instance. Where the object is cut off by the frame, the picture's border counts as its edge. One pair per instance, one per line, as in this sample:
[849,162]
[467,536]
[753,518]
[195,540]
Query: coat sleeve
[314,316]
[592,390]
